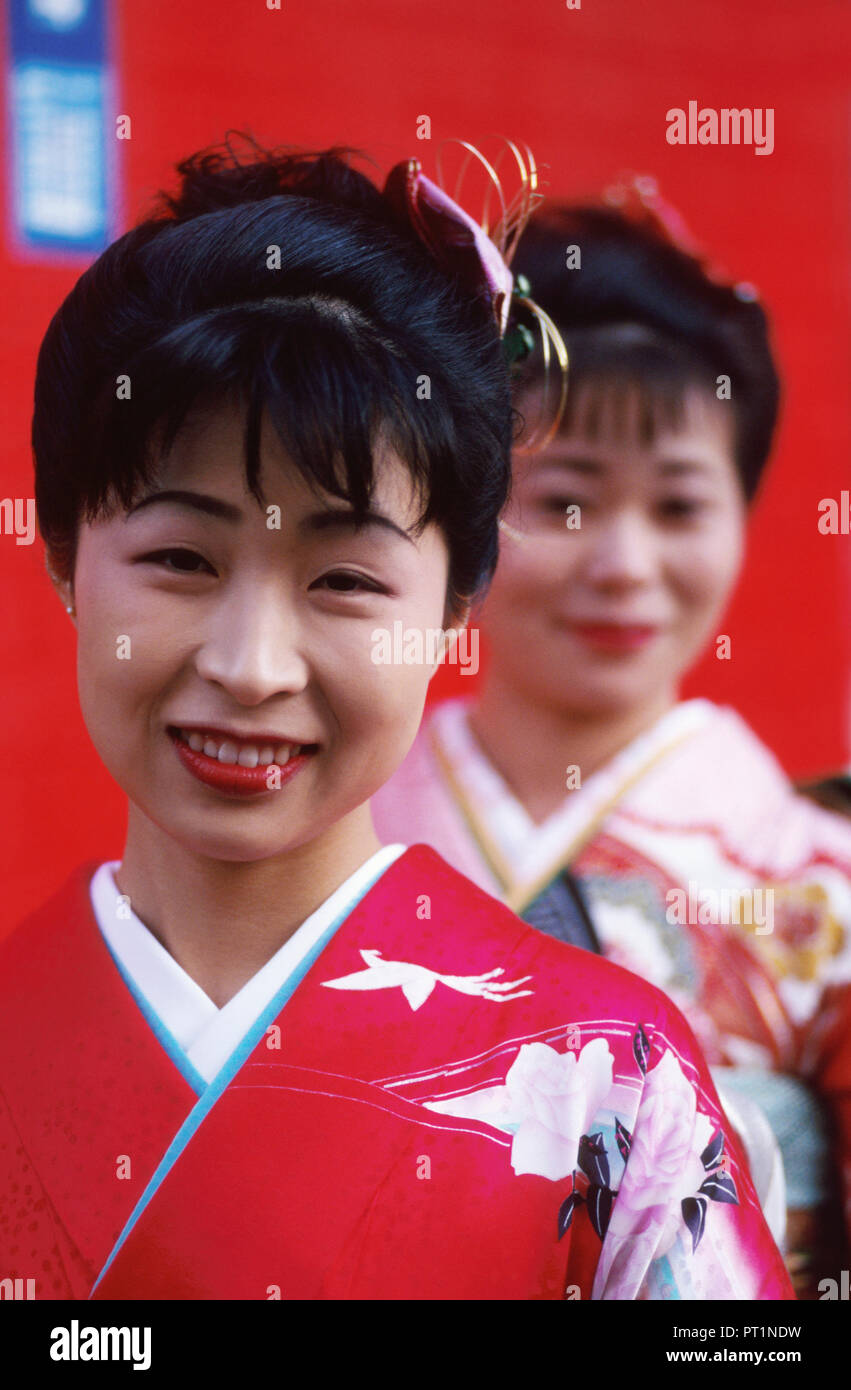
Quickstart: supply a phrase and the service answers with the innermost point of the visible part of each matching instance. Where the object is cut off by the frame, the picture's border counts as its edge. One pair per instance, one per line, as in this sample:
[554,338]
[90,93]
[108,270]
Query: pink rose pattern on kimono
[665,1167]
[672,1162]
[679,1169]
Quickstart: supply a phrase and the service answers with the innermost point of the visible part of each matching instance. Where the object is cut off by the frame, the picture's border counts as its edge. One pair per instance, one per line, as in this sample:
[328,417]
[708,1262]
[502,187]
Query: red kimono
[440,1102]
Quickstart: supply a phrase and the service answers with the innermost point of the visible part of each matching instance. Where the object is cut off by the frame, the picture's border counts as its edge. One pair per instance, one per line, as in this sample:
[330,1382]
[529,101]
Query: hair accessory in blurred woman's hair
[637,198]
[480,252]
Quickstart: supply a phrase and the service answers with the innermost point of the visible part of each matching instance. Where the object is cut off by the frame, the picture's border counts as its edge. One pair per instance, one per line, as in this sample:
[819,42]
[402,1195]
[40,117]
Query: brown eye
[681,508]
[179,561]
[347,582]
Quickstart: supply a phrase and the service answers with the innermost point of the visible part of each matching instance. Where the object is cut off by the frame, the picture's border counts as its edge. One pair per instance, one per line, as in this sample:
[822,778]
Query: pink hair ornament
[479,251]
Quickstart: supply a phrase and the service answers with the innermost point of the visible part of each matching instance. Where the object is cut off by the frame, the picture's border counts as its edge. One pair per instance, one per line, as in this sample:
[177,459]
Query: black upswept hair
[641,311]
[332,345]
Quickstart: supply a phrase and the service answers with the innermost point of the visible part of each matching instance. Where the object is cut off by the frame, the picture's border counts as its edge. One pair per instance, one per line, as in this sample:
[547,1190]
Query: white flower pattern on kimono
[556,1097]
[548,1101]
[665,1164]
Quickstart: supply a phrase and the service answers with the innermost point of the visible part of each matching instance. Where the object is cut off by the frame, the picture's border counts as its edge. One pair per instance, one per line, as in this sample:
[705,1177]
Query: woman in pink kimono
[578,786]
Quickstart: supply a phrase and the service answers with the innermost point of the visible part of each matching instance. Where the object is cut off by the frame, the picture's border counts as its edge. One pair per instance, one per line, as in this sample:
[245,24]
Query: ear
[457,615]
[446,641]
[455,619]
[63,587]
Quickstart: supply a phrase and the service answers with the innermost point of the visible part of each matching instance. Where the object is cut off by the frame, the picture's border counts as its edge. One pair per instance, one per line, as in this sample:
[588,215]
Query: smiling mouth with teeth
[239,753]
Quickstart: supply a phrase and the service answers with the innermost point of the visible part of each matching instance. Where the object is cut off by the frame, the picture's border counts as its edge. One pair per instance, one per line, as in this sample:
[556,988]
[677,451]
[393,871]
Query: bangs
[354,343]
[627,380]
[334,390]
[630,407]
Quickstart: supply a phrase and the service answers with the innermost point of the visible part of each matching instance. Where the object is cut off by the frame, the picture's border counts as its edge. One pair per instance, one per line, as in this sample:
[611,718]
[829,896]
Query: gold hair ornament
[481,249]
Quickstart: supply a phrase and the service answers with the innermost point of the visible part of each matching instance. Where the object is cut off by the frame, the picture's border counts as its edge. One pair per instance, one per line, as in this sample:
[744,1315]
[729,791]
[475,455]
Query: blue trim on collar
[164,1035]
[223,1078]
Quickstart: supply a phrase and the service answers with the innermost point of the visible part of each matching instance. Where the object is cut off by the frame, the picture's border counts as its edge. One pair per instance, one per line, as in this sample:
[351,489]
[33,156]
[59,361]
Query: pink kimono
[703,872]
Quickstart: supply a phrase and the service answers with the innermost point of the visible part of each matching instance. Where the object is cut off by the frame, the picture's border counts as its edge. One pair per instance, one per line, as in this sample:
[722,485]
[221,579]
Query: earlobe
[456,617]
[63,587]
[448,636]
[456,620]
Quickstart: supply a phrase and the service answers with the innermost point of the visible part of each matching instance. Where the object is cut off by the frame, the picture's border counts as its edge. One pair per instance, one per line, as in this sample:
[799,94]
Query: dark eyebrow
[336,518]
[592,467]
[198,501]
[683,466]
[340,518]
[576,465]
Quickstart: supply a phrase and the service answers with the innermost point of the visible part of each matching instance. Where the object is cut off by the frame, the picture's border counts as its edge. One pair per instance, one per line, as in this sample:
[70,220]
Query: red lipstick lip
[250,736]
[615,637]
[230,778]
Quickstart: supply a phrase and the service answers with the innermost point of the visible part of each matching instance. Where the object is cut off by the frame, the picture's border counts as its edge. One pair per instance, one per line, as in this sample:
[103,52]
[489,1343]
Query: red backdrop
[588,89]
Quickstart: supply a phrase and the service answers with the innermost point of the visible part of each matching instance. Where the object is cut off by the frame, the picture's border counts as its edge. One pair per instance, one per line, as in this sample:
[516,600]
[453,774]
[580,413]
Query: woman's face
[201,622]
[607,615]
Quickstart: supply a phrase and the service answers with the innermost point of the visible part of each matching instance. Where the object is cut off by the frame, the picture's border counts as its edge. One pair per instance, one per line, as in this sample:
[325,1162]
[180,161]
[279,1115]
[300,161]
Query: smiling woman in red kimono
[262,1057]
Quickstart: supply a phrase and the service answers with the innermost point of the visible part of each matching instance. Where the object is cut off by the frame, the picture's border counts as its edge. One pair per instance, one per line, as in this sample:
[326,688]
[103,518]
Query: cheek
[375,712]
[373,684]
[524,583]
[373,695]
[706,572]
[109,649]
[124,670]
[110,680]
[104,657]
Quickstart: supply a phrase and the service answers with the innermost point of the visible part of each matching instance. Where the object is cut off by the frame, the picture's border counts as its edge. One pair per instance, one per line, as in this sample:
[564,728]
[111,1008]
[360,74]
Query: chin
[600,699]
[234,848]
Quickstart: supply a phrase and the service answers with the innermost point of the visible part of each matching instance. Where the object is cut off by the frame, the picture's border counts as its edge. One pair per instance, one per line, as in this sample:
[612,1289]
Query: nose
[252,645]
[623,553]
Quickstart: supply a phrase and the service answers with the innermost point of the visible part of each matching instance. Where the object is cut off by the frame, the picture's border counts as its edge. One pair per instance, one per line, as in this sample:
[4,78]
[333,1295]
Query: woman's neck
[222,921]
[532,745]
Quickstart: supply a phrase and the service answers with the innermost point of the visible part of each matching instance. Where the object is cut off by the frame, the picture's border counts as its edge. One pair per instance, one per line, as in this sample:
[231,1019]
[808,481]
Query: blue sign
[62,130]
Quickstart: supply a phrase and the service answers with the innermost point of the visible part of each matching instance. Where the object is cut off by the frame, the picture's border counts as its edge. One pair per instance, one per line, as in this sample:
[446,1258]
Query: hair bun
[222,176]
